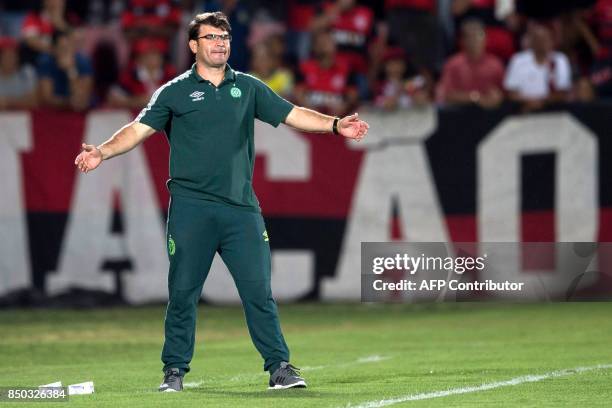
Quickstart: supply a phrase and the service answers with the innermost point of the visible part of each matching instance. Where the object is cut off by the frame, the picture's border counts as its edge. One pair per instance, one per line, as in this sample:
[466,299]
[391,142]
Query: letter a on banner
[88,241]
[395,165]
[15,138]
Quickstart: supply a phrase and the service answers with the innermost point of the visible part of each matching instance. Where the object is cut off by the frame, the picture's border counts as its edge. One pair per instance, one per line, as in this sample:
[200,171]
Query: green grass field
[350,354]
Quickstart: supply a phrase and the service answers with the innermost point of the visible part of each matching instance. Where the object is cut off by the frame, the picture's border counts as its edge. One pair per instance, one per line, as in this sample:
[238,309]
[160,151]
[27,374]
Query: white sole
[299,384]
[168,390]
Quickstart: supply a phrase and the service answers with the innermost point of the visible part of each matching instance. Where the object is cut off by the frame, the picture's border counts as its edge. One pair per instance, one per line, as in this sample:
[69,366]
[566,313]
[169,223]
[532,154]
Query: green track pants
[196,230]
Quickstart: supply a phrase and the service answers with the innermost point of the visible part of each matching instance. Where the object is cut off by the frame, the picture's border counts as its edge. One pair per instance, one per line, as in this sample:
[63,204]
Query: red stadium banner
[464,175]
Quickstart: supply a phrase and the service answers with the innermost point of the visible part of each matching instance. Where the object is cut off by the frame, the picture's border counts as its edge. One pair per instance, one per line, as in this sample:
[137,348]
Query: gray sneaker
[173,381]
[286,376]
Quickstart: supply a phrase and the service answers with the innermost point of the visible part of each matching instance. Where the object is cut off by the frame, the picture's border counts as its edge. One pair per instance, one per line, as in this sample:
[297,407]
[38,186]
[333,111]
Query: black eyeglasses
[215,37]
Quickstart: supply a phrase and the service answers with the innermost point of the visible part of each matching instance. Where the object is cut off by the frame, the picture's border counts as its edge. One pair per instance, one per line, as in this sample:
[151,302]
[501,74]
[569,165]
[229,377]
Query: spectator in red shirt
[499,27]
[601,20]
[601,75]
[38,27]
[403,86]
[326,81]
[143,75]
[151,19]
[300,14]
[351,25]
[472,75]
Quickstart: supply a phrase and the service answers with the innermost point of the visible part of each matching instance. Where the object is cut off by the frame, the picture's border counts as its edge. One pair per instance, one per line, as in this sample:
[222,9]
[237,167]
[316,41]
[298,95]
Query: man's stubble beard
[212,65]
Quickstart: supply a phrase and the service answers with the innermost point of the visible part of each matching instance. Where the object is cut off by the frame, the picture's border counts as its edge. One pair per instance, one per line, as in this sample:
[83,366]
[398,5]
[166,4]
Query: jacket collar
[230,74]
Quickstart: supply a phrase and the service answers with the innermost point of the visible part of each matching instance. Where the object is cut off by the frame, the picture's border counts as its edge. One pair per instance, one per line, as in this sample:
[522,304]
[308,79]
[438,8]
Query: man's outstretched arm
[124,140]
[308,120]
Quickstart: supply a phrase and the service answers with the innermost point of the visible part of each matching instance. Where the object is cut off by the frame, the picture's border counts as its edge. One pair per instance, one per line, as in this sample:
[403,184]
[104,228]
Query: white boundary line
[483,387]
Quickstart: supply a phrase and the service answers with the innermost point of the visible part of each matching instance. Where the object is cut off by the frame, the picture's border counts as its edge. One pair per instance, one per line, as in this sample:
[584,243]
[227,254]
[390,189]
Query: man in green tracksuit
[208,116]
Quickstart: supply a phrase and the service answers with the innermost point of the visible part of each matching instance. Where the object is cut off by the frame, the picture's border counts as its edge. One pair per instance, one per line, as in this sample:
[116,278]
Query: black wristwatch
[335,127]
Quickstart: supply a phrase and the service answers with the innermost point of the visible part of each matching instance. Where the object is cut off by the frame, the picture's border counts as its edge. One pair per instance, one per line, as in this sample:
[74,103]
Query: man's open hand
[89,158]
[353,127]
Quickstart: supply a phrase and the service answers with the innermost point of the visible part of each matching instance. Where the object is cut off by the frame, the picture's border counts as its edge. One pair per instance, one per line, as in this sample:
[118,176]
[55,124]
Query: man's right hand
[89,158]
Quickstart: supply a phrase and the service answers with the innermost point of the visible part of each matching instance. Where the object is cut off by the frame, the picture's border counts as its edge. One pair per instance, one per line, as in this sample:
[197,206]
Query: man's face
[213,53]
[474,40]
[262,61]
[324,45]
[65,45]
[541,39]
[395,68]
[152,60]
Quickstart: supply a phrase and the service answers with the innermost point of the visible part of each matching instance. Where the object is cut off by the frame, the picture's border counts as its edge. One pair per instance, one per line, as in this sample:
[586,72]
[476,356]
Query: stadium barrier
[455,175]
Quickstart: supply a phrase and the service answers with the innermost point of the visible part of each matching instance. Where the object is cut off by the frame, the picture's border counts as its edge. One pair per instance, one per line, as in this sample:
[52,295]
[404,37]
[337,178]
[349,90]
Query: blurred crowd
[328,55]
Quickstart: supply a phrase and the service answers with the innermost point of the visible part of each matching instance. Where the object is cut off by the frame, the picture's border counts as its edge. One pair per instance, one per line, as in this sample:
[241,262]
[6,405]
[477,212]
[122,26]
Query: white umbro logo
[197,96]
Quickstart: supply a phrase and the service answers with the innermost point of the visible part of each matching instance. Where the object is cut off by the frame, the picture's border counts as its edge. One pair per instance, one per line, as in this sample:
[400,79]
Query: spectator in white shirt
[539,75]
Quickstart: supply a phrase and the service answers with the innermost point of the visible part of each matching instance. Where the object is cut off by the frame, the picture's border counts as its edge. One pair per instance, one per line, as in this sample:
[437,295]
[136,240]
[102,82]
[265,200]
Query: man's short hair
[216,19]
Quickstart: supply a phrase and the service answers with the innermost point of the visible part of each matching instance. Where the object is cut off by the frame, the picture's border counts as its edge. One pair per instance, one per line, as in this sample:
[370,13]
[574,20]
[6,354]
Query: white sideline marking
[372,359]
[362,360]
[193,384]
[483,387]
[251,377]
[248,377]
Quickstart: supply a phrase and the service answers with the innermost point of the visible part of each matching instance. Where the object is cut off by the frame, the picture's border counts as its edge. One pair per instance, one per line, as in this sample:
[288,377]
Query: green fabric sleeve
[269,106]
[157,113]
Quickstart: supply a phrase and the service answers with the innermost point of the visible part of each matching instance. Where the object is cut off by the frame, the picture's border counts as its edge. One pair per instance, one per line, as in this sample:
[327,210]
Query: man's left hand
[352,127]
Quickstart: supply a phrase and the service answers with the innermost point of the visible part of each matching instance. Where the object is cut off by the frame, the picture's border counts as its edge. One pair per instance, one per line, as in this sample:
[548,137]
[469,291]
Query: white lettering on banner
[395,166]
[15,138]
[293,276]
[499,194]
[88,240]
[286,151]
